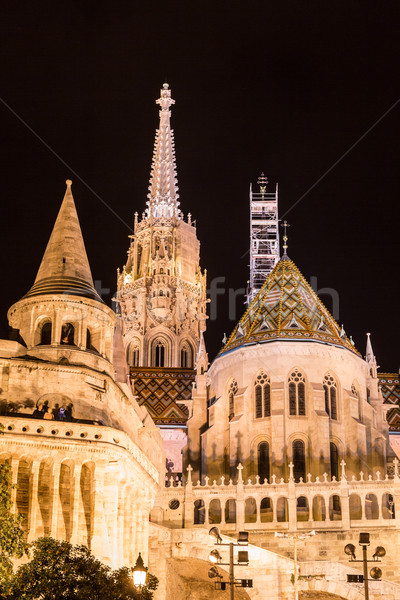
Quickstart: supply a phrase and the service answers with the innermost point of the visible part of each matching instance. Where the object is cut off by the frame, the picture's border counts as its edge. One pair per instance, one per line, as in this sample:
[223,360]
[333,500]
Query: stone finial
[291,477]
[68,182]
[343,473]
[189,470]
[240,475]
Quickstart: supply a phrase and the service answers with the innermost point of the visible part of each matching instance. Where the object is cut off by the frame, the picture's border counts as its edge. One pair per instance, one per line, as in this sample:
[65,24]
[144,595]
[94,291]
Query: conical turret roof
[65,267]
[286,308]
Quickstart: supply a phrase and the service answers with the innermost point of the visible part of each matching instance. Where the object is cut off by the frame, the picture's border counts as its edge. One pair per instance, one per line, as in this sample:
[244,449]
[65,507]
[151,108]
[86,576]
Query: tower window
[262,395]
[159,354]
[133,354]
[67,334]
[45,334]
[186,356]
[330,392]
[297,393]
[299,460]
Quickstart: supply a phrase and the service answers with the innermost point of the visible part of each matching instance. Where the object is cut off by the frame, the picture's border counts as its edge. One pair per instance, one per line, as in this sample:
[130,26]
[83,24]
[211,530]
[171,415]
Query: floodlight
[214,556]
[243,537]
[350,549]
[379,552]
[376,573]
[364,539]
[243,557]
[214,533]
[213,572]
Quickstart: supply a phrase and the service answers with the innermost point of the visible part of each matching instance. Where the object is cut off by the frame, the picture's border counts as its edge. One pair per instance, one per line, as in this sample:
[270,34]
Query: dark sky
[281,87]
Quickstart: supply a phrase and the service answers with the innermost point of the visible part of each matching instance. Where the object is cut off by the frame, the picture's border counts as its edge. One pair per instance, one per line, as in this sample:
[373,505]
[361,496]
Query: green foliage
[12,544]
[60,571]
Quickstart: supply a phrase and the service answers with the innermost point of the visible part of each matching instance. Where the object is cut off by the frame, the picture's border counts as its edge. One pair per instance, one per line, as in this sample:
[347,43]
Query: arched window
[233,388]
[330,391]
[199,512]
[318,508]
[214,511]
[334,461]
[266,510]
[45,334]
[186,356]
[134,354]
[250,510]
[297,393]
[262,396]
[159,354]
[302,509]
[299,460]
[230,511]
[335,509]
[388,507]
[67,334]
[263,461]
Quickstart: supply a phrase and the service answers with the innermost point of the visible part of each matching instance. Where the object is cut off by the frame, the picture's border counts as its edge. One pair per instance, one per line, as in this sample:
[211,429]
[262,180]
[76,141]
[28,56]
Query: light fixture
[139,572]
[213,572]
[364,539]
[214,533]
[243,557]
[215,556]
[350,549]
[243,537]
[376,573]
[379,552]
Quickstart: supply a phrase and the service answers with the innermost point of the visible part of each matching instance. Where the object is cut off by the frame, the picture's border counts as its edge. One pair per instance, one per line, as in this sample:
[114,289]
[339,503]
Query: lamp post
[375,572]
[139,573]
[295,537]
[242,559]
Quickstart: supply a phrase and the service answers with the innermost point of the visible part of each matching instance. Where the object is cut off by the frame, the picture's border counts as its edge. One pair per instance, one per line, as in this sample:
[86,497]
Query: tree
[60,571]
[12,543]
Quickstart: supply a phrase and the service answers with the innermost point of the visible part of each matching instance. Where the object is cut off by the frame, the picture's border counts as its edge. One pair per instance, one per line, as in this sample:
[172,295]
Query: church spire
[370,357]
[65,267]
[163,190]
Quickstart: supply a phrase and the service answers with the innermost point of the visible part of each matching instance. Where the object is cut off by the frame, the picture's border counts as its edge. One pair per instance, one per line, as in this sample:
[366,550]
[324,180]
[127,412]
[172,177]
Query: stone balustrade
[318,503]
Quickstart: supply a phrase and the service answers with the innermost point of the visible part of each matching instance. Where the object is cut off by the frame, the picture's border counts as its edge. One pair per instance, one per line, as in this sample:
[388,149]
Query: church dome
[287,309]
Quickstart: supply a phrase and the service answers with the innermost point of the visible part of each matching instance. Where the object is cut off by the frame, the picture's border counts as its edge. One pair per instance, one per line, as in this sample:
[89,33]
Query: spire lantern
[285,225]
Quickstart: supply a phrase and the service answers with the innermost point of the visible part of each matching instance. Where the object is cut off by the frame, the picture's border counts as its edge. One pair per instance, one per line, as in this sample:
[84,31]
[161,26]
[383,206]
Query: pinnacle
[65,267]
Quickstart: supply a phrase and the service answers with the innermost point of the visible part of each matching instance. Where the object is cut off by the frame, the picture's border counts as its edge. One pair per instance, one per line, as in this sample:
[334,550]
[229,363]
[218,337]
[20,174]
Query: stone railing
[319,503]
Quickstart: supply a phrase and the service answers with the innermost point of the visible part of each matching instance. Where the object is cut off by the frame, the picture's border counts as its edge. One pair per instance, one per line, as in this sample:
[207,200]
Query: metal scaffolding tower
[264,235]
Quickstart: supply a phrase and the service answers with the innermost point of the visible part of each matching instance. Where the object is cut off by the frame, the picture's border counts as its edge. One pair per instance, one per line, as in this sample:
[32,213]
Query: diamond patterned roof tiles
[287,309]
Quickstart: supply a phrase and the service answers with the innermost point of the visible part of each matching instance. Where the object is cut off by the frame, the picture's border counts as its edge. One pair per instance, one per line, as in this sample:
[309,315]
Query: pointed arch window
[159,353]
[134,354]
[297,393]
[334,461]
[233,388]
[186,356]
[45,334]
[262,396]
[263,461]
[330,392]
[299,460]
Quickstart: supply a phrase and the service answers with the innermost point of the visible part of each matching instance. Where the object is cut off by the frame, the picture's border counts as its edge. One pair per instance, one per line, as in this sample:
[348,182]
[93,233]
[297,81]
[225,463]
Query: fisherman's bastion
[124,437]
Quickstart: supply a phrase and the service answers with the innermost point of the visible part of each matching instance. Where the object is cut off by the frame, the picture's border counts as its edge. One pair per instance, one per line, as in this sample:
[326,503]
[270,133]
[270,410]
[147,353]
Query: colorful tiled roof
[287,308]
[390,387]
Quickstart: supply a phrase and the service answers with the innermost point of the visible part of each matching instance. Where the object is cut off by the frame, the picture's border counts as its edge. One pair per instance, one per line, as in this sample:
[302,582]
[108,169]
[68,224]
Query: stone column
[344,498]
[33,500]
[188,512]
[240,499]
[56,329]
[99,545]
[55,502]
[76,504]
[292,501]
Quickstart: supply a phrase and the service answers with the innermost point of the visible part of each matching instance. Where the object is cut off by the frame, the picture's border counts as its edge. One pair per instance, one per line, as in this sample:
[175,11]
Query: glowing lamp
[139,572]
[214,556]
[214,533]
[376,573]
[350,549]
[379,552]
[213,572]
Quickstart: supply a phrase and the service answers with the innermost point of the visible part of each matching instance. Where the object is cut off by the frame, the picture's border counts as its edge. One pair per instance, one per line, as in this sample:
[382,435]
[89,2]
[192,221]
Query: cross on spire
[285,225]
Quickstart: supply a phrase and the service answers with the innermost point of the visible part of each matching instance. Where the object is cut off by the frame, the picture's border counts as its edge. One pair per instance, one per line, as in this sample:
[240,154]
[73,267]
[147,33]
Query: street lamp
[295,537]
[242,559]
[139,573]
[375,572]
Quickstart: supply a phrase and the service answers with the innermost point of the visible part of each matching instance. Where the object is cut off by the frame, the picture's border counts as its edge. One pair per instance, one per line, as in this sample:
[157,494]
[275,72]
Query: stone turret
[62,316]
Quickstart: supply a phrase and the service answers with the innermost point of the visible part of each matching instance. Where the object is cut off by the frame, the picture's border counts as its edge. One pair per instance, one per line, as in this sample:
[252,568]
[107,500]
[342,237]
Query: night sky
[281,87]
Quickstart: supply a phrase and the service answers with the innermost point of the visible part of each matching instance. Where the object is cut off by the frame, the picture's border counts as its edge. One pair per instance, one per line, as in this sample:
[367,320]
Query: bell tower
[161,290]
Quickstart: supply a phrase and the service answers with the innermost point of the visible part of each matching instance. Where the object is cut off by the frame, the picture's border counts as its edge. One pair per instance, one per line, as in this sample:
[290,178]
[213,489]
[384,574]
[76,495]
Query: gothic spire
[163,190]
[370,357]
[65,267]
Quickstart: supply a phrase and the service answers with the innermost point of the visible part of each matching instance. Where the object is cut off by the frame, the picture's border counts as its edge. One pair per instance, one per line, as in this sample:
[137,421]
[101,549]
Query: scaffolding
[264,235]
